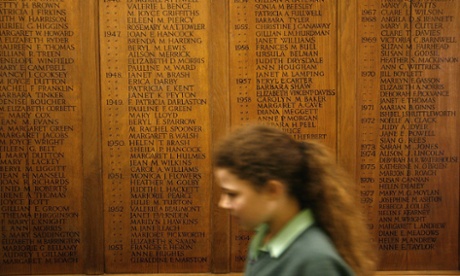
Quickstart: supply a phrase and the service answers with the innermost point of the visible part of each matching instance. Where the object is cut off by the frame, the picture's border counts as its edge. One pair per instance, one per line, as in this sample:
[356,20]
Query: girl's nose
[223,202]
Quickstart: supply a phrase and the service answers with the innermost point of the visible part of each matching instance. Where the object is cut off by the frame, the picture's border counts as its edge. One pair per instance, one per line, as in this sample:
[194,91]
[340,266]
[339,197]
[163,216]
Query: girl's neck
[283,215]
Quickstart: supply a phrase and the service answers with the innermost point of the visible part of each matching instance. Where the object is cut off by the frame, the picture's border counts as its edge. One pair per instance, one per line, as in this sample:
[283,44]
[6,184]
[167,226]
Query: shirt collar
[284,238]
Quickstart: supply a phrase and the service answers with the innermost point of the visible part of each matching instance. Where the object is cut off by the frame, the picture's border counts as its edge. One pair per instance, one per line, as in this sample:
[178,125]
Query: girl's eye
[231,195]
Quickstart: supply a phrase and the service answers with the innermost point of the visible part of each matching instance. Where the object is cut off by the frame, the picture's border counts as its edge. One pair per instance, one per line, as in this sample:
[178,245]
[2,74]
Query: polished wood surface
[377,81]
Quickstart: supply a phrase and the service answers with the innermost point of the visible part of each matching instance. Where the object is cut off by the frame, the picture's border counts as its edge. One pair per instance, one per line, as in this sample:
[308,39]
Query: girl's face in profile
[245,203]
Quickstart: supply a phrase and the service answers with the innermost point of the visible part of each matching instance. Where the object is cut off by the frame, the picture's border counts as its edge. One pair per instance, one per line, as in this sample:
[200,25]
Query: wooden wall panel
[156,135]
[109,110]
[40,138]
[283,64]
[407,130]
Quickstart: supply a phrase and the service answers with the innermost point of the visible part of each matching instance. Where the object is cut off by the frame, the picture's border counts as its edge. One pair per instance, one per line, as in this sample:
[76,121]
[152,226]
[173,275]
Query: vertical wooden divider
[220,114]
[346,70]
[91,146]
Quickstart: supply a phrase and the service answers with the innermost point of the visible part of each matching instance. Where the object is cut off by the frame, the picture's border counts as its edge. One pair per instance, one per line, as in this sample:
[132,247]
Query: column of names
[405,102]
[160,136]
[39,113]
[282,73]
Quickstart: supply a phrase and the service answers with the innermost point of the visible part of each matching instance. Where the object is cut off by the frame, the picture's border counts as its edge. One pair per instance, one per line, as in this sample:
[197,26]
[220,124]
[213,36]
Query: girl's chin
[243,225]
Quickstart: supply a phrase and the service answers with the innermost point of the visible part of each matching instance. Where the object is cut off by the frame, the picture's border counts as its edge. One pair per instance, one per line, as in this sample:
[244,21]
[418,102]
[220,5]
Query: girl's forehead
[228,180]
[225,174]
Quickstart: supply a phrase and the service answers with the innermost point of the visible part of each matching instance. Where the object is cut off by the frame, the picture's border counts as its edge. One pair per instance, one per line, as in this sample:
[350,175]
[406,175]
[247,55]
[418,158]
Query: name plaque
[283,73]
[408,154]
[155,122]
[40,199]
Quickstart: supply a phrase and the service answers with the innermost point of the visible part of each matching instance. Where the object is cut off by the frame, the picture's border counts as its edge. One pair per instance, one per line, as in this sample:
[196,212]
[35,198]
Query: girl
[300,203]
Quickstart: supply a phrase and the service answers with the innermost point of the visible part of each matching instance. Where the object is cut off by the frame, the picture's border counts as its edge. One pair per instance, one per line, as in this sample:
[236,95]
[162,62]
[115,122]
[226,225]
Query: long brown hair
[260,153]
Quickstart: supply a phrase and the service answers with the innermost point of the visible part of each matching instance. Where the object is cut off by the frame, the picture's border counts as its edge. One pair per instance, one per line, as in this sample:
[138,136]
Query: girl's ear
[275,189]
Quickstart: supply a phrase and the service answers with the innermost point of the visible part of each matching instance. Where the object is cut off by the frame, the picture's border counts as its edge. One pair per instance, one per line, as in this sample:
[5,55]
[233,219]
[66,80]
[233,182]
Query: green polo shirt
[284,238]
[301,248]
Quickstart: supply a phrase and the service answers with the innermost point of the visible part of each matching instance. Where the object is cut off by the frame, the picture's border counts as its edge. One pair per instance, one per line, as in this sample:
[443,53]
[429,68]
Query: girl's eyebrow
[226,190]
